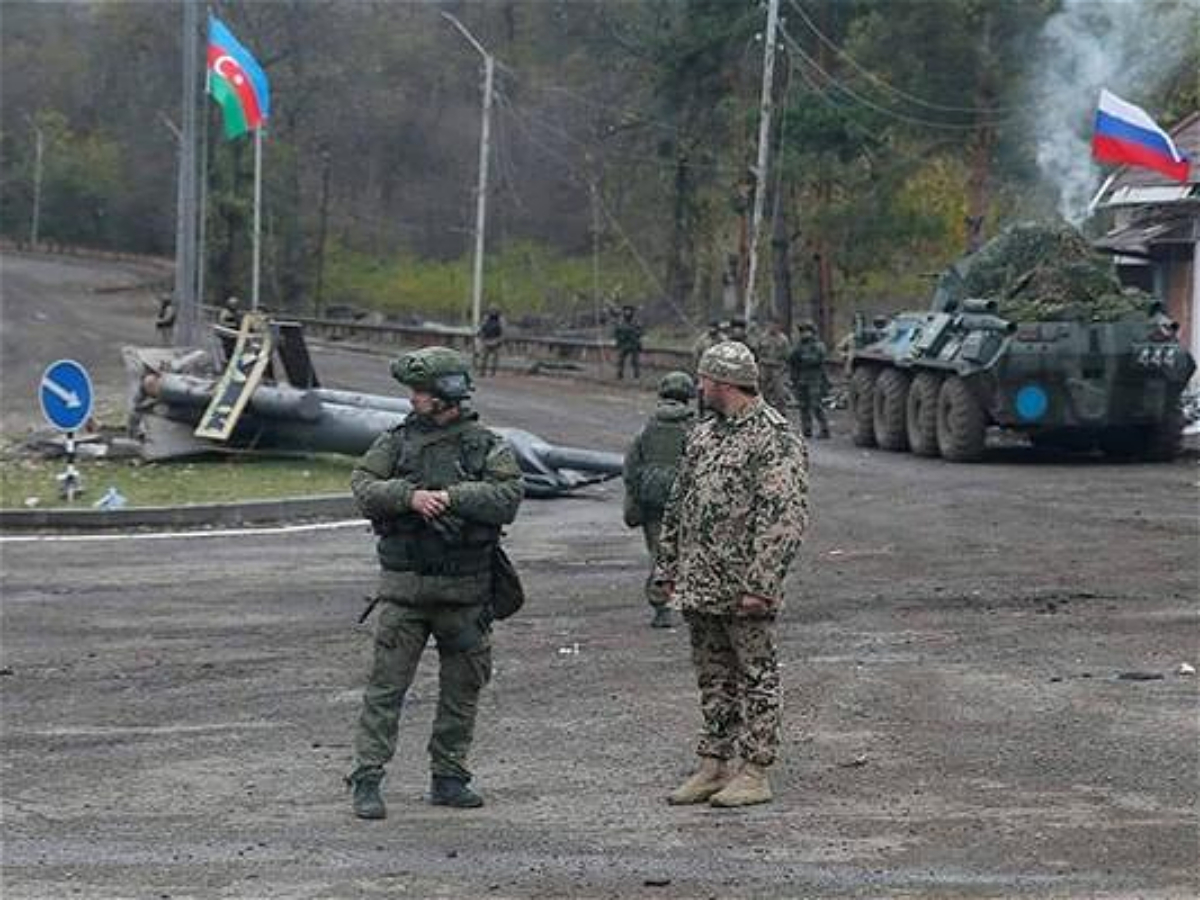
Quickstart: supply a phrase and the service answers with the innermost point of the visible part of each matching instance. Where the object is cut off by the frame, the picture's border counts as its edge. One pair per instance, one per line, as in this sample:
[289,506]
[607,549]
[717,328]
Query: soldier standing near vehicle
[807,364]
[772,351]
[734,522]
[164,321]
[437,488]
[650,466]
[491,339]
[627,334]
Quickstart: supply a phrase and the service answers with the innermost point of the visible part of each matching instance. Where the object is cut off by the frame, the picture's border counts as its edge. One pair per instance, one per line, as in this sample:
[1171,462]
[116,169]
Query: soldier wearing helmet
[650,465]
[437,489]
[734,522]
[807,364]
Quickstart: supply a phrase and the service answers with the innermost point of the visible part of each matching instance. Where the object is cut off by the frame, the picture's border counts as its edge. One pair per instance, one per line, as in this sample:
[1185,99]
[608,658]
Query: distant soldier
[650,465]
[709,338]
[772,352]
[164,321]
[627,334]
[807,364]
[437,488]
[737,330]
[230,315]
[491,339]
[734,522]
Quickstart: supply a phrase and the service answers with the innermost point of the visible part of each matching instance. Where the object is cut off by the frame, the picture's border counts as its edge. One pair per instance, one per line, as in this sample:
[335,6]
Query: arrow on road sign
[68,397]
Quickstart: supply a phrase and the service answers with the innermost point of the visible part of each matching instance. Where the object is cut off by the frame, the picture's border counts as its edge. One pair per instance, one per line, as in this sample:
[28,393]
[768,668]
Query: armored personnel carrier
[1033,334]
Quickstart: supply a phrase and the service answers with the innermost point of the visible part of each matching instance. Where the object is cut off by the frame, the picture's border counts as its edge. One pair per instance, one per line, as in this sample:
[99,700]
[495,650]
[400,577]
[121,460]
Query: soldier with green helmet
[734,522]
[437,489]
[807,364]
[650,465]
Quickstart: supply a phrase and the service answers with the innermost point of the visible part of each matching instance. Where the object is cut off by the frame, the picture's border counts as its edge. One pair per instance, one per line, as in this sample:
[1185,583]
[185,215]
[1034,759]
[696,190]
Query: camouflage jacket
[737,513]
[807,362]
[627,335]
[652,461]
[772,350]
[448,561]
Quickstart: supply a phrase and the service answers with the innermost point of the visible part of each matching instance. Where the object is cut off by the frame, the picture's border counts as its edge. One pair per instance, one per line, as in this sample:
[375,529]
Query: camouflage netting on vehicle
[1044,272]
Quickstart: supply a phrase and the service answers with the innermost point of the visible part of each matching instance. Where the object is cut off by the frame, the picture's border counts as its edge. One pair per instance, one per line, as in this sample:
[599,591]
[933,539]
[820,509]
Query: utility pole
[322,227]
[35,221]
[187,323]
[764,138]
[489,69]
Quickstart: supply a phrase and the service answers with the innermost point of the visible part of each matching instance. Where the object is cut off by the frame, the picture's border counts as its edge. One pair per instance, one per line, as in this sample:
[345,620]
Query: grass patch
[211,480]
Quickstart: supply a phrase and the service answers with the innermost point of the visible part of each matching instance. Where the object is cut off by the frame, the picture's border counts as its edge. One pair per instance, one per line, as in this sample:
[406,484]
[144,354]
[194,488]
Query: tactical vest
[662,447]
[434,459]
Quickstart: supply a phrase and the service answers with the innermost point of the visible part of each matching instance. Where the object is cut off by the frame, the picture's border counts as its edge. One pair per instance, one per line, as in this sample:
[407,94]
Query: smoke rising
[1127,46]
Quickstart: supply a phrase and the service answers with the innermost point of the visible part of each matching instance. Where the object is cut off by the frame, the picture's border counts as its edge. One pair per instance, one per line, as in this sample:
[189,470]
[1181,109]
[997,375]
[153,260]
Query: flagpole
[257,216]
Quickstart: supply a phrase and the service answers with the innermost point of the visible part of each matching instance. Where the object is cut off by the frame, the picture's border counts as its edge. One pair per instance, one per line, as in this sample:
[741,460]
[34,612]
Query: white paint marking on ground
[169,535]
[108,730]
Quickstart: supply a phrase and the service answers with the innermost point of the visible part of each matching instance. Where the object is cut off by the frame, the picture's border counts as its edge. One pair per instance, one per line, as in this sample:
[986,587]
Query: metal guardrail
[529,347]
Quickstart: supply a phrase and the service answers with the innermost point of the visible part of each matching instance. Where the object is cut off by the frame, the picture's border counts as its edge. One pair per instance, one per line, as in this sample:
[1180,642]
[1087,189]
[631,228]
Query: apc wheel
[888,409]
[862,406]
[961,423]
[921,414]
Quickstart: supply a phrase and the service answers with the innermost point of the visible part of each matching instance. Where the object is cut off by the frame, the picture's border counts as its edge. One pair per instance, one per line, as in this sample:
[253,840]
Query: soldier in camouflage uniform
[734,522]
[437,488]
[772,351]
[807,364]
[627,334]
[650,466]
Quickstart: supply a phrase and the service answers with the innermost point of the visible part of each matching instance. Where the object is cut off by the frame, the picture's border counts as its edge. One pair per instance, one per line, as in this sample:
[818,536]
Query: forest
[624,139]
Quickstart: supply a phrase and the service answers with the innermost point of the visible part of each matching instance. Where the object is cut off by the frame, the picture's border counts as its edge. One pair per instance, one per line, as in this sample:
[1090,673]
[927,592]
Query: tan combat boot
[748,788]
[710,776]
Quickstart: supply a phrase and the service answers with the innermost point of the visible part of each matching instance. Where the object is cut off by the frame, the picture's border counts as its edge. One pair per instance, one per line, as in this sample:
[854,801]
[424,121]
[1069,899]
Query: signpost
[66,396]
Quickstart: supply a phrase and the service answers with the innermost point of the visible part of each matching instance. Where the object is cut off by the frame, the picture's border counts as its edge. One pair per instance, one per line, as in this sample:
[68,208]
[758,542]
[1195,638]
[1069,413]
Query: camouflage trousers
[809,395]
[635,361]
[655,595]
[464,667]
[489,356]
[740,695]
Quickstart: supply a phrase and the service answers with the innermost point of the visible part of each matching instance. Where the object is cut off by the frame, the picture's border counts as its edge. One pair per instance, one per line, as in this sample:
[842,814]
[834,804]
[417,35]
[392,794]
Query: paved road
[177,711]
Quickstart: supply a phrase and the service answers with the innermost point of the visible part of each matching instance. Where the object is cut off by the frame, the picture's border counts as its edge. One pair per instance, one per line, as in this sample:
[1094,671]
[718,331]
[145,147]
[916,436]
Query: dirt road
[177,711]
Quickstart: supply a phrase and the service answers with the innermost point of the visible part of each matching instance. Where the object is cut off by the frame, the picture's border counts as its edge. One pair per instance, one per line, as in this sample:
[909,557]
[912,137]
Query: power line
[884,85]
[835,84]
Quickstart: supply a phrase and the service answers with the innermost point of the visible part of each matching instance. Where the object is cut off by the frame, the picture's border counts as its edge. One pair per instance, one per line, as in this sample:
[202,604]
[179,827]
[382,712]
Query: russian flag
[1125,135]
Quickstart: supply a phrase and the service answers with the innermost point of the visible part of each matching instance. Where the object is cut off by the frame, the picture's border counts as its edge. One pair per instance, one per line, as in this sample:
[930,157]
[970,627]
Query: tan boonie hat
[730,362]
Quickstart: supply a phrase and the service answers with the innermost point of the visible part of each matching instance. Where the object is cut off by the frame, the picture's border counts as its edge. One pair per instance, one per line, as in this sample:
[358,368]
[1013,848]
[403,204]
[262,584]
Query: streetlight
[489,66]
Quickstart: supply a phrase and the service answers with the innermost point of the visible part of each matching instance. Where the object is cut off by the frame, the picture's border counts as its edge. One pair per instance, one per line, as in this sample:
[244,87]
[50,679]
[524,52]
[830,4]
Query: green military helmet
[441,371]
[677,386]
[730,362]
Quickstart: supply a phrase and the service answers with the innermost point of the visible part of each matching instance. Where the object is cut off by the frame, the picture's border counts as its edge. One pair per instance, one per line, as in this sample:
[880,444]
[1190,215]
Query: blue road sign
[66,394]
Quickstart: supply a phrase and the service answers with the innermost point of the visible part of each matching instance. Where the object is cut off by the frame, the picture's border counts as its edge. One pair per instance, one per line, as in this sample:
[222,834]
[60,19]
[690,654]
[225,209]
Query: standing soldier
[491,338]
[772,352]
[807,363]
[734,522]
[650,466]
[230,315]
[628,337]
[709,338]
[165,320]
[737,330]
[437,488]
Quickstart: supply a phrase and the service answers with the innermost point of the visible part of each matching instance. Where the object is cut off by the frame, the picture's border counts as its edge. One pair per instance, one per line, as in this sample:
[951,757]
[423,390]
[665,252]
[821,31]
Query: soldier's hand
[668,588]
[754,605]
[429,504]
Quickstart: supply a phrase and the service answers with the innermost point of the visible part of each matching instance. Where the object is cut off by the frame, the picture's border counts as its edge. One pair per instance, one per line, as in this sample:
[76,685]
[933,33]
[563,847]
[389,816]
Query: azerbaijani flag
[236,81]
[1126,135]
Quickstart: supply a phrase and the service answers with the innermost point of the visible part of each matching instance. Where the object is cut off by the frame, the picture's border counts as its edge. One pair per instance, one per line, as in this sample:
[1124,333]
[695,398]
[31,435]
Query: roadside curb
[199,515]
